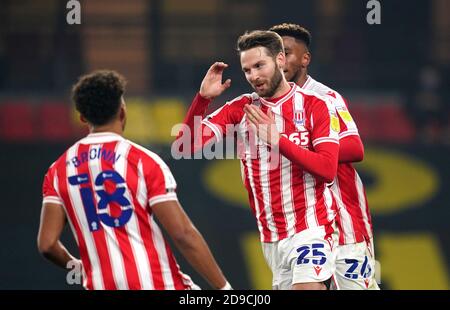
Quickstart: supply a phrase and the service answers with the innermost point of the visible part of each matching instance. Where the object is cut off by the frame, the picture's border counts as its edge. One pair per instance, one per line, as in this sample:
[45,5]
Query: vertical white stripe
[285,179]
[264,172]
[298,102]
[112,244]
[310,198]
[362,203]
[77,204]
[142,196]
[328,199]
[158,241]
[248,163]
[132,227]
[348,231]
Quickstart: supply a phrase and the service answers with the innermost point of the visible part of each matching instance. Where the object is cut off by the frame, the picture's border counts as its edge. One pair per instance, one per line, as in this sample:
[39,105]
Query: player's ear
[123,111]
[122,114]
[306,59]
[83,119]
[281,60]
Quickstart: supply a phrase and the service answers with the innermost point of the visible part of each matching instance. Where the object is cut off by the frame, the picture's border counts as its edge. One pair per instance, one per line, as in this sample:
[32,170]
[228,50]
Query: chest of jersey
[291,121]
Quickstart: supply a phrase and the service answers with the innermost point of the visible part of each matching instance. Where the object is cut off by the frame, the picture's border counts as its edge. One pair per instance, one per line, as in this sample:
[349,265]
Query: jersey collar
[280,100]
[101,137]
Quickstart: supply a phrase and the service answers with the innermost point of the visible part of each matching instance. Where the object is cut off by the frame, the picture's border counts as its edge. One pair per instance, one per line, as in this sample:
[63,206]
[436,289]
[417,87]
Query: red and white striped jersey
[107,186]
[284,198]
[353,218]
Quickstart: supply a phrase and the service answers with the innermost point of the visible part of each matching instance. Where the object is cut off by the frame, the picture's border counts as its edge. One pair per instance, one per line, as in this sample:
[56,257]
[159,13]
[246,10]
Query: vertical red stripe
[367,210]
[145,226]
[349,194]
[276,203]
[174,270]
[320,207]
[64,192]
[248,187]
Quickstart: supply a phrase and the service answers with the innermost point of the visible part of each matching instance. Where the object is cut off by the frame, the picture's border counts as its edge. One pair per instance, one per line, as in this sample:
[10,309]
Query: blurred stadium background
[395,75]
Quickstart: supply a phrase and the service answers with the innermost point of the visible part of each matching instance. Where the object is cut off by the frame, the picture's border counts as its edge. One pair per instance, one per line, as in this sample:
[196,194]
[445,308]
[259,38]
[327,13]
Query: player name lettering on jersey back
[94,154]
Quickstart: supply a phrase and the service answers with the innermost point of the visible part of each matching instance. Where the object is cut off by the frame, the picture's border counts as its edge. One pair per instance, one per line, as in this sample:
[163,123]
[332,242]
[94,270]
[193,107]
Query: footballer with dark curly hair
[109,188]
[356,250]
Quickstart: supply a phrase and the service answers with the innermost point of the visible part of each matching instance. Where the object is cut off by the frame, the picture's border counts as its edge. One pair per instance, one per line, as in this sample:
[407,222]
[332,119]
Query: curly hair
[97,96]
[293,30]
[268,39]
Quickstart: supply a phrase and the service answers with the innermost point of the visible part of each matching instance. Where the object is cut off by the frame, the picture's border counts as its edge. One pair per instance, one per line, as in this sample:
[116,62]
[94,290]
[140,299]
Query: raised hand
[212,85]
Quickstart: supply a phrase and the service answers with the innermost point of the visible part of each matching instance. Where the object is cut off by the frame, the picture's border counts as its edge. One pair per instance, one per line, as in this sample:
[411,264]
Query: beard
[274,84]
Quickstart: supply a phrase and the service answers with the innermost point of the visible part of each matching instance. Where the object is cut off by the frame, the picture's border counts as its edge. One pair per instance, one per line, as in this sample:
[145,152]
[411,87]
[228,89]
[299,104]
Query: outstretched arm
[189,241]
[210,88]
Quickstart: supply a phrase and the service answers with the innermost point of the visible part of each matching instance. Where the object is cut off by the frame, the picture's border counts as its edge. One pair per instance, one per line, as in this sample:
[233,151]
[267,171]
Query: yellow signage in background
[149,121]
[408,260]
[152,121]
[411,261]
[401,181]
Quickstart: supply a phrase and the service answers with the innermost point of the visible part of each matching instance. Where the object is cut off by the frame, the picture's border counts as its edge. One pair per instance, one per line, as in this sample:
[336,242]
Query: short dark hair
[268,39]
[293,30]
[97,96]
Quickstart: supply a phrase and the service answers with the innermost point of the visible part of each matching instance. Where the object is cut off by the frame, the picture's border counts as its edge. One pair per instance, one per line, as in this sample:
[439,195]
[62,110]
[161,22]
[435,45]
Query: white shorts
[355,266]
[308,256]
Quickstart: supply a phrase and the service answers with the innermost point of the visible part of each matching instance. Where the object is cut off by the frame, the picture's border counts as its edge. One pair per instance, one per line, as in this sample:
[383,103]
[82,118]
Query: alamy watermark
[75,272]
[73,16]
[374,15]
[241,142]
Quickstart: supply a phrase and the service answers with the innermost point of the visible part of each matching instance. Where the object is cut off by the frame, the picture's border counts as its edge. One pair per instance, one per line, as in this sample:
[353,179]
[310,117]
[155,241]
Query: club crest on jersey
[299,119]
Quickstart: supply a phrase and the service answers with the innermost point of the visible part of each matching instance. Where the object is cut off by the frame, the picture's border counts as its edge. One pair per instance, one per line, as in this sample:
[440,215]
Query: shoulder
[146,155]
[59,163]
[233,109]
[325,91]
[311,97]
[242,100]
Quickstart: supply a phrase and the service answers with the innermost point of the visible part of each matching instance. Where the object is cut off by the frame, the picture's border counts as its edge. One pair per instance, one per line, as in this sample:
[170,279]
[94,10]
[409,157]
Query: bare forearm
[194,249]
[58,255]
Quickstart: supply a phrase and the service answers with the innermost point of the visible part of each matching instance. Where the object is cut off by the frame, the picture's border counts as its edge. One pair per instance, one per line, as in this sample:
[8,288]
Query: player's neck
[115,127]
[301,80]
[282,90]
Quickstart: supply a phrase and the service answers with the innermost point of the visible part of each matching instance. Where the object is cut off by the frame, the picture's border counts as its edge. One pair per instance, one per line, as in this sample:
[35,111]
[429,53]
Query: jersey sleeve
[161,185]
[325,122]
[347,124]
[50,187]
[229,114]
